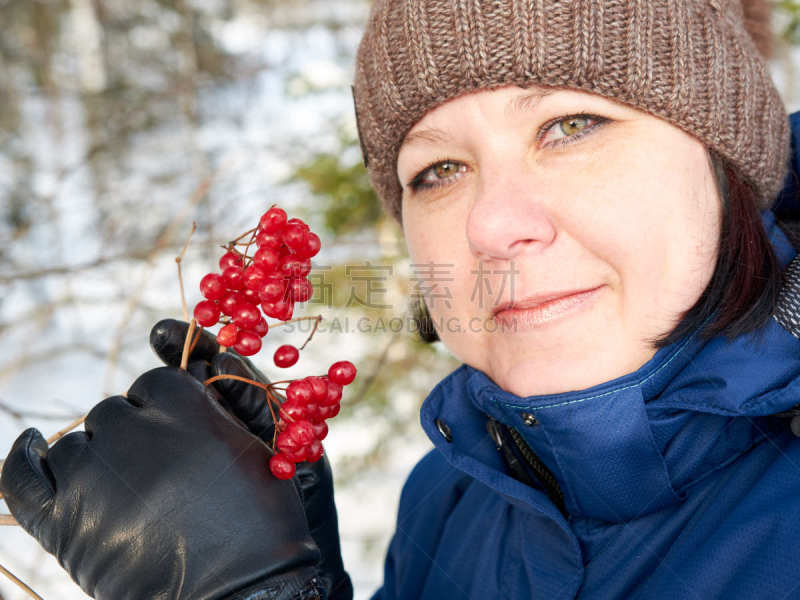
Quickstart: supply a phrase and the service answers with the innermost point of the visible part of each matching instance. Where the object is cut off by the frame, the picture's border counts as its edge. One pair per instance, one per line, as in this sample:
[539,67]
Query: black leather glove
[248,403]
[164,496]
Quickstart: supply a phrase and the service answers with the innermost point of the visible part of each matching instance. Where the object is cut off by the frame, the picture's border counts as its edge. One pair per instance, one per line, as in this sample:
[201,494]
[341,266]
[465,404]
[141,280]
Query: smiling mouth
[538,310]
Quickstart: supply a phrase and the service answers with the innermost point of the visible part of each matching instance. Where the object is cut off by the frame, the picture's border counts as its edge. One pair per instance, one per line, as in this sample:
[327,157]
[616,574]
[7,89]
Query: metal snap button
[444,429]
[529,419]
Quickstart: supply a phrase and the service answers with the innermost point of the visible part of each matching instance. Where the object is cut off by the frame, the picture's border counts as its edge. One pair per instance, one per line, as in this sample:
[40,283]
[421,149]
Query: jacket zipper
[543,475]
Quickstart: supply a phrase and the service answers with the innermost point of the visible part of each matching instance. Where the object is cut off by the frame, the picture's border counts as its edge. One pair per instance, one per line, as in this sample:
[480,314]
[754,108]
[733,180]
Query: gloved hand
[164,496]
[249,404]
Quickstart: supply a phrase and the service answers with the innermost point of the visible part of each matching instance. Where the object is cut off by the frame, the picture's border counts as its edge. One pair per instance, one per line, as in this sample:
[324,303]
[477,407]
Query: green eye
[569,129]
[445,169]
[573,125]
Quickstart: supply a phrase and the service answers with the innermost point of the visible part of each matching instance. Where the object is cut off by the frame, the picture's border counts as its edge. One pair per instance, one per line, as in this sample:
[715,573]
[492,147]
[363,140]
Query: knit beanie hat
[699,64]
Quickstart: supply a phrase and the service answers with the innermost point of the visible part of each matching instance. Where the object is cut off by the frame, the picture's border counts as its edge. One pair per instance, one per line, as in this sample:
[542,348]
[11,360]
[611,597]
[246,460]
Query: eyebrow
[516,105]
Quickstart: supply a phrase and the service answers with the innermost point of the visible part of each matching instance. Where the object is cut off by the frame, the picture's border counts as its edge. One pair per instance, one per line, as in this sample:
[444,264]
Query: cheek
[663,242]
[652,217]
[440,258]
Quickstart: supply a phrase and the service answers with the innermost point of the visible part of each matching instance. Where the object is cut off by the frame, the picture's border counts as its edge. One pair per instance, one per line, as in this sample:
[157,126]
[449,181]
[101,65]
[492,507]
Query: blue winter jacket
[677,482]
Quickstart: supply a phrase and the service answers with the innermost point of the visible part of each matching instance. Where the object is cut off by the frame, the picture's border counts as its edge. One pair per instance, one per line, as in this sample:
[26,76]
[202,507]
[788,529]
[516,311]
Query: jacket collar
[633,445]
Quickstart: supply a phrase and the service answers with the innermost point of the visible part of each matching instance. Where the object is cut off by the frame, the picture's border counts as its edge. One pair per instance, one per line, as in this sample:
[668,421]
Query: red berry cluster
[275,277]
[302,427]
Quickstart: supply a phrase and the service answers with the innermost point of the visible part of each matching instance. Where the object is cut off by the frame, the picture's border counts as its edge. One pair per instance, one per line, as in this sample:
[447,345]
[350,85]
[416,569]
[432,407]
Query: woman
[611,433]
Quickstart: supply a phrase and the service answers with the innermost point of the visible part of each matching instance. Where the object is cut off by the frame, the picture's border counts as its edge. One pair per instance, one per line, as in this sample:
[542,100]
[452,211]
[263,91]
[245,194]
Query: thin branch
[7,521]
[377,369]
[13,366]
[245,234]
[19,583]
[31,414]
[187,344]
[62,432]
[178,260]
[258,384]
[313,331]
[282,323]
[162,242]
[71,269]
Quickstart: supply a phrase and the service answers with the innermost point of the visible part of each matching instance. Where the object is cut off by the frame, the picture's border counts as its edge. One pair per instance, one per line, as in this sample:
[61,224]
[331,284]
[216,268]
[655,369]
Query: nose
[508,217]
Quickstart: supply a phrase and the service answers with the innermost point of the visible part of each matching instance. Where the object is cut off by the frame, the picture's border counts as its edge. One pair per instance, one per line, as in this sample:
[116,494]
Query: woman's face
[513,195]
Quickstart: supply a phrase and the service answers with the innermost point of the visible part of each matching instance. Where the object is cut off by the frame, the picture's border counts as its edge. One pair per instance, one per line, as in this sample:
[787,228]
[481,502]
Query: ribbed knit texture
[690,62]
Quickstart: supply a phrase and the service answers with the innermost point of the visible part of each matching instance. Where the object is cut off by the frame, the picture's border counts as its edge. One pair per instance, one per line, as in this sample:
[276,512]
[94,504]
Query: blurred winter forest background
[121,123]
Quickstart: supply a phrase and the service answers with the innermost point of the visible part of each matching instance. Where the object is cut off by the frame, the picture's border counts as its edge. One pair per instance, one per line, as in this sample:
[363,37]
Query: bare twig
[21,362]
[376,370]
[32,414]
[282,323]
[178,260]
[317,321]
[187,344]
[162,242]
[258,384]
[245,234]
[62,432]
[7,520]
[19,583]
[71,269]
[196,339]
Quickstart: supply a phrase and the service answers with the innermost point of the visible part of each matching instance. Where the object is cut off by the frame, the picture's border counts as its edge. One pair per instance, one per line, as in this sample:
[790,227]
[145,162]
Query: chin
[533,378]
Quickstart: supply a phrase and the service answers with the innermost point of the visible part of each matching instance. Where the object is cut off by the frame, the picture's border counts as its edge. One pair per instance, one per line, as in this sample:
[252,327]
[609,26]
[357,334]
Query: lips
[538,299]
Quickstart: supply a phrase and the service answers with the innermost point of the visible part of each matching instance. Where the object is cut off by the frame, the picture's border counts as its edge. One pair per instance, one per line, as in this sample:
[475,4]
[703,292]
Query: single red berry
[268,240]
[311,245]
[230,259]
[300,222]
[319,387]
[250,296]
[293,411]
[254,277]
[301,289]
[267,259]
[286,309]
[286,356]
[334,394]
[269,309]
[247,343]
[294,235]
[273,220]
[261,327]
[328,412]
[312,412]
[231,302]
[246,316]
[320,430]
[299,456]
[291,266]
[272,289]
[314,451]
[234,278]
[299,392]
[280,309]
[281,467]
[301,432]
[286,443]
[212,286]
[207,313]
[227,335]
[342,372]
